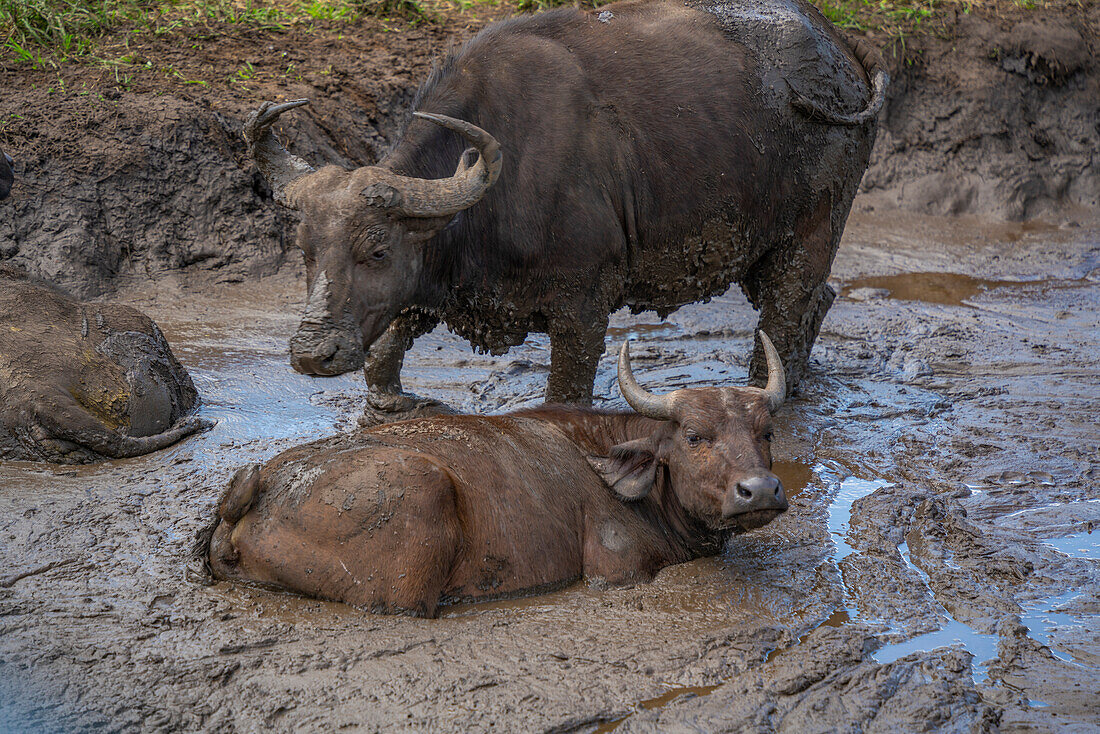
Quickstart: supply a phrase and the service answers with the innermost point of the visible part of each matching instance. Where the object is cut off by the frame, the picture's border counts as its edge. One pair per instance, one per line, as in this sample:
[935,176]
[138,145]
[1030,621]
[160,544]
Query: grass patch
[40,31]
[63,29]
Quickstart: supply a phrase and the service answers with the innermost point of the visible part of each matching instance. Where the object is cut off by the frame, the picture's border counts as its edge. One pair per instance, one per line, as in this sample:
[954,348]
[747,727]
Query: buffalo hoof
[389,407]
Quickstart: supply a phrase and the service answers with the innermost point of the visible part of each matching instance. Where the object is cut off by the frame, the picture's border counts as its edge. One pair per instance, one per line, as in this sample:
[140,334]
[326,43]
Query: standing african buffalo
[403,517]
[82,381]
[7,178]
[645,154]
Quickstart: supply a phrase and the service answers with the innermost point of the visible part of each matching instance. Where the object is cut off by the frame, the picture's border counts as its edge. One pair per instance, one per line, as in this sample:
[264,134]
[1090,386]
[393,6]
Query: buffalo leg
[789,287]
[575,351]
[69,422]
[386,401]
[387,355]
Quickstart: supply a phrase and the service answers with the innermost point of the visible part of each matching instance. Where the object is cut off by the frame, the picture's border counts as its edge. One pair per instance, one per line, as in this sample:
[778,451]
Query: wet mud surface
[939,565]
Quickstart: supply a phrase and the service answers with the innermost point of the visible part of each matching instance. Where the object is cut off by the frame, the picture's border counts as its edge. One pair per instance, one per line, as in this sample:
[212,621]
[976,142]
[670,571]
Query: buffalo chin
[747,521]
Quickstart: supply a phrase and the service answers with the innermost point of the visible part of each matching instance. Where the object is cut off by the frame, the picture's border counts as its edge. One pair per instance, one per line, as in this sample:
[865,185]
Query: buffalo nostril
[744,491]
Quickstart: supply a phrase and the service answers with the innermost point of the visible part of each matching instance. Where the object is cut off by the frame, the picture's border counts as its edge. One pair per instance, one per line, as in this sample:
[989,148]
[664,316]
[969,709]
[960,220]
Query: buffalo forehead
[715,405]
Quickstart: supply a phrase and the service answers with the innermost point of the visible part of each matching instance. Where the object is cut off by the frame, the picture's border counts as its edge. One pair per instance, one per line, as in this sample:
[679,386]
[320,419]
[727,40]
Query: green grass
[62,29]
[67,25]
[39,31]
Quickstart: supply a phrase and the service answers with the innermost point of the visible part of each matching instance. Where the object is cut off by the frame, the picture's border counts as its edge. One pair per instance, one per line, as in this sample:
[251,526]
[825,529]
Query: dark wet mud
[939,565]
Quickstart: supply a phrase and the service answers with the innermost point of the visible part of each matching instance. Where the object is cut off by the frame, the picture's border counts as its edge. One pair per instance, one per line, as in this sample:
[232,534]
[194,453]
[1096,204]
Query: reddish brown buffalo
[407,516]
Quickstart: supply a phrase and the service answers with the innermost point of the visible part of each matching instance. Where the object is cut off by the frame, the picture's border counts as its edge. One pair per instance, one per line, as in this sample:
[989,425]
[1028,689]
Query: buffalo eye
[371,247]
[768,436]
[694,440]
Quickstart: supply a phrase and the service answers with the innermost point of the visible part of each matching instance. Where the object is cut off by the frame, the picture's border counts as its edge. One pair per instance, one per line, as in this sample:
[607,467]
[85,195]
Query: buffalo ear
[630,470]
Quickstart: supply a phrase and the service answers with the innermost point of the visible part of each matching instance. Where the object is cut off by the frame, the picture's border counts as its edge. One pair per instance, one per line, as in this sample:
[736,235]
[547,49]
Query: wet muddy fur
[764,103]
[81,382]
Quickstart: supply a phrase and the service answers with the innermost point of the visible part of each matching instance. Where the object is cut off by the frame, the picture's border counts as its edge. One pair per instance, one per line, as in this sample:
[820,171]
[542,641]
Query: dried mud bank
[991,113]
[115,187]
[938,568]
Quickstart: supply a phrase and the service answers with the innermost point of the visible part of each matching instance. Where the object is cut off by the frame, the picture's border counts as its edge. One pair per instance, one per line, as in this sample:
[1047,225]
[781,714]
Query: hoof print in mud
[404,517]
[80,382]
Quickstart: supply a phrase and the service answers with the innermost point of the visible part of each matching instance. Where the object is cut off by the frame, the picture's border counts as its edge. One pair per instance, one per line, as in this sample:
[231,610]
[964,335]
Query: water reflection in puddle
[948,289]
[616,334]
[983,647]
[1078,545]
[851,488]
[672,694]
[1041,619]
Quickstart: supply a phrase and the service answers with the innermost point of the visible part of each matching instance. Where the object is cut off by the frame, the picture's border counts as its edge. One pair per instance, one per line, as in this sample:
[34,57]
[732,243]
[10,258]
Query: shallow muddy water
[941,463]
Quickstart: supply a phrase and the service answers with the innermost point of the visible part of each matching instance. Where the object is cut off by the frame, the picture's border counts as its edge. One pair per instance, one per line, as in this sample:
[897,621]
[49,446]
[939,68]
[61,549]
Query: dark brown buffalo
[407,516]
[644,154]
[85,381]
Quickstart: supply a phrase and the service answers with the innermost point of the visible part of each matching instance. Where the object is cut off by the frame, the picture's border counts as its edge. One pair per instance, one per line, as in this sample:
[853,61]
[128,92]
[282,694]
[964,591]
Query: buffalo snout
[754,500]
[325,354]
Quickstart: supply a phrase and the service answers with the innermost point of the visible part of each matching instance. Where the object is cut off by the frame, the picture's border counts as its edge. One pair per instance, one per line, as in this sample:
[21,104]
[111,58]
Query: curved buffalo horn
[448,196]
[776,389]
[645,403]
[278,166]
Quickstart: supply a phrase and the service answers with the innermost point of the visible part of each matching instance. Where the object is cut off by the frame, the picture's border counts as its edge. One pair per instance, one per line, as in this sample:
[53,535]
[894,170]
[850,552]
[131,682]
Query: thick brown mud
[939,564]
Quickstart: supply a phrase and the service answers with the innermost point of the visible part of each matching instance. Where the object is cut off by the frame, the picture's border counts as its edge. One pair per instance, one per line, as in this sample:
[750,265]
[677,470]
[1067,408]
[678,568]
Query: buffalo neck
[452,257]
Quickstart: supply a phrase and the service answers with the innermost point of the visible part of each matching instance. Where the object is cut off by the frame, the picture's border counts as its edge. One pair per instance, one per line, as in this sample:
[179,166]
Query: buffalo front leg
[386,401]
[575,350]
[789,288]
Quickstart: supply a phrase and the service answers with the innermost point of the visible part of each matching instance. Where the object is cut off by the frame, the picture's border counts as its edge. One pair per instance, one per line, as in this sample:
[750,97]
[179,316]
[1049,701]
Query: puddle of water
[1078,545]
[851,489]
[263,399]
[1041,619]
[672,694]
[983,647]
[795,475]
[949,289]
[641,331]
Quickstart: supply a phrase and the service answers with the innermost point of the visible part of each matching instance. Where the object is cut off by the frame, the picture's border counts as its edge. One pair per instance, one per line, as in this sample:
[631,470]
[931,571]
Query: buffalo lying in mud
[7,178]
[645,154]
[406,516]
[83,381]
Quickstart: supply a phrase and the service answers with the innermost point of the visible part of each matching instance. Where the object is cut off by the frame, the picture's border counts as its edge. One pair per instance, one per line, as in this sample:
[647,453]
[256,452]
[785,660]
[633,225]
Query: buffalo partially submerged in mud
[409,515]
[85,381]
[646,154]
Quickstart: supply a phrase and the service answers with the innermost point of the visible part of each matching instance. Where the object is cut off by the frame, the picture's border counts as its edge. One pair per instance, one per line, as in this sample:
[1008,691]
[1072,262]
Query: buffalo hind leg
[575,351]
[66,421]
[789,287]
[386,401]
